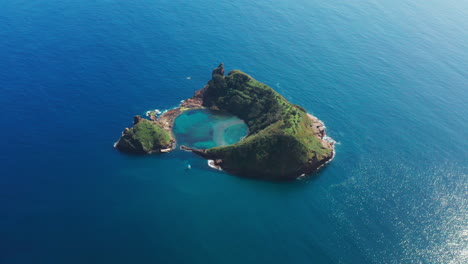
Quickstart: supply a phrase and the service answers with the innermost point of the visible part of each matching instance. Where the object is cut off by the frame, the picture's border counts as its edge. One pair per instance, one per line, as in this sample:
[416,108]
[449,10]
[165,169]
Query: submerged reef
[284,141]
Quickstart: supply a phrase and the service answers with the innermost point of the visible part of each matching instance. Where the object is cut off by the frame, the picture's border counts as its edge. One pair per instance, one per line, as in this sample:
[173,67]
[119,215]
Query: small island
[283,142]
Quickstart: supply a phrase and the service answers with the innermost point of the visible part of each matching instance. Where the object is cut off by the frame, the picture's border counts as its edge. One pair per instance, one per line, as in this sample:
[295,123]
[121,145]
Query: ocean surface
[388,78]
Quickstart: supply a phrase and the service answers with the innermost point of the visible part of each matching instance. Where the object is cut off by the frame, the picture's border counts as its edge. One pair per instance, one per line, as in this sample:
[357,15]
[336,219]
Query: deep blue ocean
[388,78]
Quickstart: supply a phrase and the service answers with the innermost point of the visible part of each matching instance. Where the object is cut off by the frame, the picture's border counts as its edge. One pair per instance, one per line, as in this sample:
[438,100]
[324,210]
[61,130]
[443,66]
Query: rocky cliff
[145,136]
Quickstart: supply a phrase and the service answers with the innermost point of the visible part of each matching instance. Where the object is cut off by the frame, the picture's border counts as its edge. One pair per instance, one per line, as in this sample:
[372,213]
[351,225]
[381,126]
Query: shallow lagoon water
[204,129]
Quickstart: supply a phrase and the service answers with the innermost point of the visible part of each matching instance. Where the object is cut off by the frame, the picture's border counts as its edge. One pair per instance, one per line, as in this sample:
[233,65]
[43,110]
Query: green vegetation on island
[144,137]
[281,142]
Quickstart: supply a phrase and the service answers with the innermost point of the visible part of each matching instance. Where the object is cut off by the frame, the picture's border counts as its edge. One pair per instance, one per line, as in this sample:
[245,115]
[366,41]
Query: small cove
[203,129]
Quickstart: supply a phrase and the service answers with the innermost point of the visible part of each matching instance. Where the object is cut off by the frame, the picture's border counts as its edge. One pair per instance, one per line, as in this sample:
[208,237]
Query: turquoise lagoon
[203,128]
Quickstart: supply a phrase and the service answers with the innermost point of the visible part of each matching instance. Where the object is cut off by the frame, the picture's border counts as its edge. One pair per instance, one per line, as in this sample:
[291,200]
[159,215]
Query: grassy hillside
[145,136]
[280,140]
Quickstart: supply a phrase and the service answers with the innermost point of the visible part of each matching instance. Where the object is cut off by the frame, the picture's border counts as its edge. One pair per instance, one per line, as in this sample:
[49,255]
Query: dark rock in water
[136,119]
[218,162]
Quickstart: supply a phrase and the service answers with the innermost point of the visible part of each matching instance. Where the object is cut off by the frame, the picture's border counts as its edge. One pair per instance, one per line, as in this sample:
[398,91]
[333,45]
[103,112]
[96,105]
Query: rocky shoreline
[166,120]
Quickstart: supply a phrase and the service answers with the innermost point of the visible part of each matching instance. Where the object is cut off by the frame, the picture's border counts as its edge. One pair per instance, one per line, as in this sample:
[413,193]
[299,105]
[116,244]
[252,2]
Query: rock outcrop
[218,70]
[145,136]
